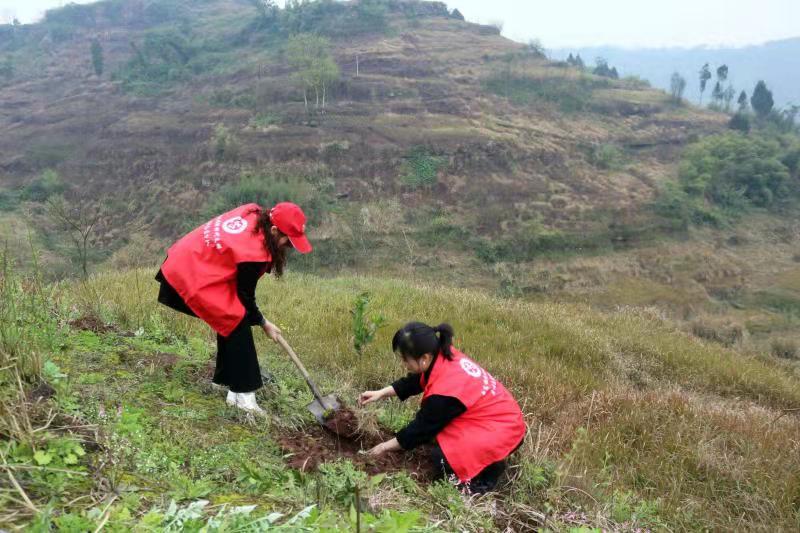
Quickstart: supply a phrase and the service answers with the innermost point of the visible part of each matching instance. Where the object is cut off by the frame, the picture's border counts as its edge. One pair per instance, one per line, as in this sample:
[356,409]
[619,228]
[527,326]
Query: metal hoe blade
[322,406]
[321,411]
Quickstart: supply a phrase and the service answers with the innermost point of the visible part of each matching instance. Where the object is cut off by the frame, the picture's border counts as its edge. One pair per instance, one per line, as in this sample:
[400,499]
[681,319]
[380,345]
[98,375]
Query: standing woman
[212,273]
[475,420]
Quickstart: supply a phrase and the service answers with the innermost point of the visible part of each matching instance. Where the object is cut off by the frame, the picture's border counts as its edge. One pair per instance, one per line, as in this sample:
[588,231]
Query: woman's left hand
[383,447]
[378,450]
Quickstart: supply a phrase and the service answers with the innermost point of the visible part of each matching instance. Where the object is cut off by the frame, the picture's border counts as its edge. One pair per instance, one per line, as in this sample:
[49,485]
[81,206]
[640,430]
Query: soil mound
[340,438]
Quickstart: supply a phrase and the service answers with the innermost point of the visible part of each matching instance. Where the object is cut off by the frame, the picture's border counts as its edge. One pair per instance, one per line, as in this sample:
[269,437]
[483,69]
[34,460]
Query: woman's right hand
[370,396]
[272,331]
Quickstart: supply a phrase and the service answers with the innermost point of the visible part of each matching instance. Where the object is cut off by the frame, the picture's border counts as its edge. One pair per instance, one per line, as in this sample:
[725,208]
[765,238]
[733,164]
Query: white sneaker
[245,401]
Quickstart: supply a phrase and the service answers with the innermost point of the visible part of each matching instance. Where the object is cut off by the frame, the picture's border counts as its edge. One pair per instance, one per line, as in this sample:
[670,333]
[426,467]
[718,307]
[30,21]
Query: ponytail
[445,332]
[415,339]
[278,254]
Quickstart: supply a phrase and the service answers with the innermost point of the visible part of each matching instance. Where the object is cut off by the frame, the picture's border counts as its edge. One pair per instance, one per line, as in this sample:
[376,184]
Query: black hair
[415,339]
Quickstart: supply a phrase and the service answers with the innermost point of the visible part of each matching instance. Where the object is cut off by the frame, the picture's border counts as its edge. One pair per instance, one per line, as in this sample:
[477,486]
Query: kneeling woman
[475,420]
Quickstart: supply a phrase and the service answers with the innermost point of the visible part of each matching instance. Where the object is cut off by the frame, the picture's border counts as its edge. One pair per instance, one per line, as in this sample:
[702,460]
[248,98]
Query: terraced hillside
[444,129]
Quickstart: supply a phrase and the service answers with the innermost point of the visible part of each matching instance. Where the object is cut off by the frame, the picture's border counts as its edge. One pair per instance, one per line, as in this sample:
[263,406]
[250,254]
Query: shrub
[785,348]
[227,98]
[681,210]
[531,243]
[166,57]
[8,200]
[740,122]
[733,170]
[792,159]
[606,156]
[313,194]
[334,19]
[223,144]
[43,187]
[725,333]
[421,168]
[571,95]
[264,120]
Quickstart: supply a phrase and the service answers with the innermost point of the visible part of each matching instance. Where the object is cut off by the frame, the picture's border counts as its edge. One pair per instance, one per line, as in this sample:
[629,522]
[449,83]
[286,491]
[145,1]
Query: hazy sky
[572,23]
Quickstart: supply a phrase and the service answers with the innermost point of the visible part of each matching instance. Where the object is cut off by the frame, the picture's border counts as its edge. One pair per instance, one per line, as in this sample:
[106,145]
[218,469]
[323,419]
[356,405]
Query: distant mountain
[777,63]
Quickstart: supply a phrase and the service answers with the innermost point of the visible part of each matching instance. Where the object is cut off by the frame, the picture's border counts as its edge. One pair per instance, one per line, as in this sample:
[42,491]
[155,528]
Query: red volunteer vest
[491,427]
[201,266]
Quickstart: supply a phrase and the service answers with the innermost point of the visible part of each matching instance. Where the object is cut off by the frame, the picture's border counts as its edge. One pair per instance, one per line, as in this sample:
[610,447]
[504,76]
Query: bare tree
[78,221]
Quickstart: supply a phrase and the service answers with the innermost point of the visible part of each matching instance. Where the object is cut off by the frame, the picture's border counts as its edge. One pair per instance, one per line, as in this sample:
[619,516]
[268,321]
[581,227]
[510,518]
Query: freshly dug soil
[343,423]
[309,447]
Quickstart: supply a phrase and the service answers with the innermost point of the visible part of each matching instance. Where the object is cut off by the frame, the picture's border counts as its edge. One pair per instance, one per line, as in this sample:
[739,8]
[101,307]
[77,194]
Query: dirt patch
[343,423]
[309,447]
[91,323]
[150,362]
[165,361]
[42,392]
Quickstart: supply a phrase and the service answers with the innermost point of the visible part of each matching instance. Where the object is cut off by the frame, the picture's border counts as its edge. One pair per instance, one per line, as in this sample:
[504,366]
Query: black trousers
[484,482]
[237,360]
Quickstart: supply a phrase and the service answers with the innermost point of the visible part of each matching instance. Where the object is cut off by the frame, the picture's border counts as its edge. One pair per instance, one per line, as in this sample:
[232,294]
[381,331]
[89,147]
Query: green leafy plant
[224,145]
[185,488]
[734,170]
[45,186]
[421,168]
[606,157]
[364,327]
[338,481]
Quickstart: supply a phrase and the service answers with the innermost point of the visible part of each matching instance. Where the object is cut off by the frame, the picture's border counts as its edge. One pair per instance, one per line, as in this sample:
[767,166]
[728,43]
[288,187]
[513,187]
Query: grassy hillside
[628,268]
[447,127]
[632,423]
[452,155]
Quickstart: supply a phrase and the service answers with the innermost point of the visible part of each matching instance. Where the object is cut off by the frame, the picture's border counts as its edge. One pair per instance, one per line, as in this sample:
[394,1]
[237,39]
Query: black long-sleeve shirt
[436,412]
[247,275]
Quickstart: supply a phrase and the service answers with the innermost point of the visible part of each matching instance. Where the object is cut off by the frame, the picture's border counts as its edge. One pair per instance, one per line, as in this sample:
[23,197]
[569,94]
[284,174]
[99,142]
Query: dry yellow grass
[700,435]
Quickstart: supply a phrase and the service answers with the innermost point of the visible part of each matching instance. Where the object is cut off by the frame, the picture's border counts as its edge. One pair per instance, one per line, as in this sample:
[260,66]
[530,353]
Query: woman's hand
[272,331]
[383,447]
[370,396]
[375,395]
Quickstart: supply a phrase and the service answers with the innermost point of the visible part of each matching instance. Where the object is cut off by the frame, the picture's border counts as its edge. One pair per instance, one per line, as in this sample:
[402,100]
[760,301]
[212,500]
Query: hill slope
[446,153]
[516,143]
[632,424]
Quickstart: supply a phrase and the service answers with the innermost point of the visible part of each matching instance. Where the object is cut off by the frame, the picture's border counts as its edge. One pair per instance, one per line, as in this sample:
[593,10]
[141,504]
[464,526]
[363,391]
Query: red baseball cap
[291,220]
